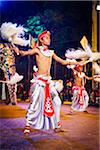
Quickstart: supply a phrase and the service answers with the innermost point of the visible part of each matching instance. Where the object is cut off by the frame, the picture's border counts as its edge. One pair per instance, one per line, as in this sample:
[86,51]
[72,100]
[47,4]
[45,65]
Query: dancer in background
[11,34]
[44,110]
[7,64]
[80,97]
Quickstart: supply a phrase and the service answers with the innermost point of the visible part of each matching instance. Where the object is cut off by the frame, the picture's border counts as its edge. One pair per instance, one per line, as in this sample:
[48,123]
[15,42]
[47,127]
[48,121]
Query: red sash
[48,106]
[81,101]
[80,89]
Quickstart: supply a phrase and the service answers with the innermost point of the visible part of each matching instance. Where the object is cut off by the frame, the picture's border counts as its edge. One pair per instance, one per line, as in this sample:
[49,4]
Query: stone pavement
[81,132]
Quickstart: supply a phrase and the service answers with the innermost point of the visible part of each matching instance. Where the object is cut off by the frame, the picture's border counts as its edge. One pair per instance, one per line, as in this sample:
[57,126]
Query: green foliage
[34,25]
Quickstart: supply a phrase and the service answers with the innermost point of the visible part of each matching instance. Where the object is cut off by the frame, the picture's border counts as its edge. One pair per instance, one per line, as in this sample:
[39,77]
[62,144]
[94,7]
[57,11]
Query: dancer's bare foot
[85,111]
[71,112]
[27,130]
[57,130]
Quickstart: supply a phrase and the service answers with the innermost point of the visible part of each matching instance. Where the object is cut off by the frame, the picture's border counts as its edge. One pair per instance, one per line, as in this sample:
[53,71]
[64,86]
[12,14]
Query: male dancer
[11,34]
[80,97]
[44,110]
[7,64]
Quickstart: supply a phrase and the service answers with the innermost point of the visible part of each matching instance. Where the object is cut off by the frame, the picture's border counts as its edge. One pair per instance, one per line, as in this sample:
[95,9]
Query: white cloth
[35,115]
[76,99]
[47,53]
[3,91]
[15,78]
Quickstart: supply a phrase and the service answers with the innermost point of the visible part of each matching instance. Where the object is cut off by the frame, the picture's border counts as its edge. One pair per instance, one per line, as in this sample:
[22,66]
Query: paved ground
[81,132]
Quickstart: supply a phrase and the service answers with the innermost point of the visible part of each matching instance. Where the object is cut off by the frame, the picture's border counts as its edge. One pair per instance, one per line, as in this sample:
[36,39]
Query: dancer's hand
[16,50]
[22,53]
[83,62]
[96,76]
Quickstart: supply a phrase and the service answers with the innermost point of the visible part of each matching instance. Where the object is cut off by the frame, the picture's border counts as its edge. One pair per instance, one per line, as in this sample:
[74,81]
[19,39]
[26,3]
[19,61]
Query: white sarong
[80,98]
[35,115]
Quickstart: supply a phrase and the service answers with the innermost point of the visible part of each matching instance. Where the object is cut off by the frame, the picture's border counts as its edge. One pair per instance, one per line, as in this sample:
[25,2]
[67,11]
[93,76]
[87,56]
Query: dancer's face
[46,40]
[80,68]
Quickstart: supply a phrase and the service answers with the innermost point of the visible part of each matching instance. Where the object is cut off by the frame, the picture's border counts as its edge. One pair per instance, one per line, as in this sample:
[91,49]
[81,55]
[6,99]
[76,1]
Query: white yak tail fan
[96,68]
[8,29]
[13,33]
[15,78]
[75,54]
[20,41]
[70,66]
[95,56]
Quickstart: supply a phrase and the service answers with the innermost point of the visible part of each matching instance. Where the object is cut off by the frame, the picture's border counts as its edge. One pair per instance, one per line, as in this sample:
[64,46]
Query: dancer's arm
[65,62]
[29,52]
[89,78]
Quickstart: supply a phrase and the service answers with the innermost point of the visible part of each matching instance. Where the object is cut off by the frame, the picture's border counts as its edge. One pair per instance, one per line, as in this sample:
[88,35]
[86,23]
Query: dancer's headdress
[40,36]
[78,66]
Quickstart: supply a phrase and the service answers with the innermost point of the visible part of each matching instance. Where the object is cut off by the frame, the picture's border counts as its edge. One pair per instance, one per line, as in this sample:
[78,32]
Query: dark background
[67,21]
